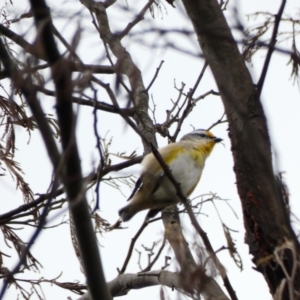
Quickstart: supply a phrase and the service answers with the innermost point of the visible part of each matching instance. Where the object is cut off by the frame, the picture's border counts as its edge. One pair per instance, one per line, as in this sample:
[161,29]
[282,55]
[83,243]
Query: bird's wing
[168,153]
[153,174]
[152,177]
[156,182]
[137,187]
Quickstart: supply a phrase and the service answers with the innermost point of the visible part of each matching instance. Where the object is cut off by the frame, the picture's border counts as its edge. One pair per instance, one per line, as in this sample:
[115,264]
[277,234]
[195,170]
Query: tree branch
[125,65]
[193,277]
[122,284]
[72,177]
[4,218]
[270,49]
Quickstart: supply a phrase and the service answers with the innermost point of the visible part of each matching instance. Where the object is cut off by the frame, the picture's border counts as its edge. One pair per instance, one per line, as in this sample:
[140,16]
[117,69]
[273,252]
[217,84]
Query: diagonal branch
[138,18]
[133,240]
[19,40]
[270,49]
[126,66]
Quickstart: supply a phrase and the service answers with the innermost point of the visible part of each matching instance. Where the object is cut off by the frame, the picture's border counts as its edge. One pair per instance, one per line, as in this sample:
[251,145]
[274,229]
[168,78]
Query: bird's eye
[202,135]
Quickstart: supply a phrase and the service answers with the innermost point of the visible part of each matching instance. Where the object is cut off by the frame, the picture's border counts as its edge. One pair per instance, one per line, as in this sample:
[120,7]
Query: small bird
[186,160]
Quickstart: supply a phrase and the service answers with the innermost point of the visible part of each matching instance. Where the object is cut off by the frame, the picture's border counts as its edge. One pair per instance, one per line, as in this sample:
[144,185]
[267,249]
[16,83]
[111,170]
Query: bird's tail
[128,211]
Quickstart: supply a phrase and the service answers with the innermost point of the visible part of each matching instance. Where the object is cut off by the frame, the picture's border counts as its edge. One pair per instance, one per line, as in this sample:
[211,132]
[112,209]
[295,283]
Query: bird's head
[201,135]
[203,138]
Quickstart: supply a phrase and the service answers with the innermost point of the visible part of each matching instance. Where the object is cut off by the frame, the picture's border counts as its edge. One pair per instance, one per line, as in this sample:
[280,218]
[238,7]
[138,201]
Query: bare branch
[138,18]
[126,66]
[72,177]
[155,76]
[122,284]
[270,49]
[133,240]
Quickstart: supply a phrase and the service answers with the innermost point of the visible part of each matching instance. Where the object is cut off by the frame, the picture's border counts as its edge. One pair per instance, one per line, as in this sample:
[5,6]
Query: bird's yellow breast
[198,155]
[198,152]
[206,148]
[173,153]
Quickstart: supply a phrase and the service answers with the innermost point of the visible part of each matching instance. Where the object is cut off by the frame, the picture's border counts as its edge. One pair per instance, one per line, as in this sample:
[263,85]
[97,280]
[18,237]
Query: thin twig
[211,92]
[220,121]
[4,218]
[190,104]
[88,102]
[270,49]
[133,240]
[36,233]
[155,75]
[151,264]
[139,18]
[101,165]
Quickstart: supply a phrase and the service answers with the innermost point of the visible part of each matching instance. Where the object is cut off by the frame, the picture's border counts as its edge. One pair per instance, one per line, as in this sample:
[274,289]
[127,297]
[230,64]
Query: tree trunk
[269,235]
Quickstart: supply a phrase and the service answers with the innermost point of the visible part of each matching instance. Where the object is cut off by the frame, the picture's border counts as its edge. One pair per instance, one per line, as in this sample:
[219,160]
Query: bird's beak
[217,140]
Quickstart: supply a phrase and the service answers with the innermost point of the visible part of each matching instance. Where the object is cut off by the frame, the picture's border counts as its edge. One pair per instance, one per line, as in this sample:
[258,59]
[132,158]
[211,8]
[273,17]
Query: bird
[185,159]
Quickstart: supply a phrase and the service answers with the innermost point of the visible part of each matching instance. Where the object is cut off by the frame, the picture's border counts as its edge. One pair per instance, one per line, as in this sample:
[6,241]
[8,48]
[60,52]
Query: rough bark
[268,231]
